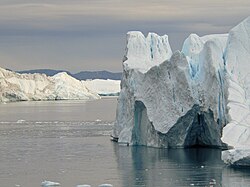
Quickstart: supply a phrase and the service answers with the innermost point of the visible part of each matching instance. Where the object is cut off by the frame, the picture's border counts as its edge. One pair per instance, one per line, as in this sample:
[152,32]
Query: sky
[78,35]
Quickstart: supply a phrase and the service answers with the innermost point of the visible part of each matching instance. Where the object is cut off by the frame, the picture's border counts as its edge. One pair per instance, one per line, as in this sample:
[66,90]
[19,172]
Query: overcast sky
[80,35]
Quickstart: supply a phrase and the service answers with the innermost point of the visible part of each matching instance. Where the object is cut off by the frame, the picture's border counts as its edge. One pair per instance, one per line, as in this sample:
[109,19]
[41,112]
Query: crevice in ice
[169,76]
[151,47]
[173,94]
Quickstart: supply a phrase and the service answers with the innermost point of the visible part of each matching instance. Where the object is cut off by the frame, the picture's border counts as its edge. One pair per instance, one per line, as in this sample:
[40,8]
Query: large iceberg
[237,131]
[189,98]
[25,87]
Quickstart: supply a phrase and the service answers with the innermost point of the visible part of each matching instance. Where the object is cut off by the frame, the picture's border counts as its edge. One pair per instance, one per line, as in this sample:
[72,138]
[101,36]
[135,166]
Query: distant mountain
[83,75]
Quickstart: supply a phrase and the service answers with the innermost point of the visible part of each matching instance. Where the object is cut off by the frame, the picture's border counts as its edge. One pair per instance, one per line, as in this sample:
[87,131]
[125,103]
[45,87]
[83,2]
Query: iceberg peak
[142,52]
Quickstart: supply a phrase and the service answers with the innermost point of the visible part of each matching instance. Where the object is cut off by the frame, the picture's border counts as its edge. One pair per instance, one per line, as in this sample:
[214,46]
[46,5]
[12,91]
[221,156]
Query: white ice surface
[237,131]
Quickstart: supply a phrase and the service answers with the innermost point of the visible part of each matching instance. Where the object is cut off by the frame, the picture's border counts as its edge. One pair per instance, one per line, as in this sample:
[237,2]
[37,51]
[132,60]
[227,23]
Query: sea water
[68,142]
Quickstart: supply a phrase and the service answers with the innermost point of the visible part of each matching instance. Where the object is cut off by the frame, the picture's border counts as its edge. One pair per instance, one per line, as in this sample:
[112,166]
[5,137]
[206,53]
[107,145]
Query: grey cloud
[90,34]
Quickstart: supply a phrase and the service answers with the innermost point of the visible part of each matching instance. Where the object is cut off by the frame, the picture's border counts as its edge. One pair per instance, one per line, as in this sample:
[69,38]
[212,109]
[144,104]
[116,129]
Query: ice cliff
[25,87]
[189,98]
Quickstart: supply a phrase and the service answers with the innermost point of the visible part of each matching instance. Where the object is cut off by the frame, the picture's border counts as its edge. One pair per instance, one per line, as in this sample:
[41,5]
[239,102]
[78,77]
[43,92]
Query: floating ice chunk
[83,185]
[236,157]
[20,121]
[212,182]
[106,185]
[49,183]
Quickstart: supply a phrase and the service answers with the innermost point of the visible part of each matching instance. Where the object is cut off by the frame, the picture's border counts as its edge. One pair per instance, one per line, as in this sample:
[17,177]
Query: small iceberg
[83,185]
[106,185]
[49,183]
[237,157]
[20,121]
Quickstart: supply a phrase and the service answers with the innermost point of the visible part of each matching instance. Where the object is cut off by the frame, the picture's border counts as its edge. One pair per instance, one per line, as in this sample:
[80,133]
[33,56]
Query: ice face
[194,44]
[237,53]
[237,56]
[191,96]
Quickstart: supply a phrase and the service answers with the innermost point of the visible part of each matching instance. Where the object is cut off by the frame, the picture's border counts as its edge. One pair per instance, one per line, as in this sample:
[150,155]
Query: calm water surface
[103,109]
[69,142]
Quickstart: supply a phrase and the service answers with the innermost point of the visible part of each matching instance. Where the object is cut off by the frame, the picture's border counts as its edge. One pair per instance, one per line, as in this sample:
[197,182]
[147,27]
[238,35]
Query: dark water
[78,151]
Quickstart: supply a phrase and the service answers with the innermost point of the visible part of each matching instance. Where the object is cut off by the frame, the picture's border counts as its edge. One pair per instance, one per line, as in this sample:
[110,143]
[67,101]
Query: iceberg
[168,105]
[36,87]
[237,131]
[104,87]
[106,185]
[237,157]
[49,183]
[195,97]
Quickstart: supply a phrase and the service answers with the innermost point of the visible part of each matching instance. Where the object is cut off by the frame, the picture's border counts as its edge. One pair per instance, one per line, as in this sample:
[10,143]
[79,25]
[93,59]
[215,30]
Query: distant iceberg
[195,97]
[49,184]
[39,87]
[104,87]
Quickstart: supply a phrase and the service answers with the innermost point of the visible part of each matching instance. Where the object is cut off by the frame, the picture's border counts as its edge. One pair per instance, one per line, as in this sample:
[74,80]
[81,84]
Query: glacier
[198,96]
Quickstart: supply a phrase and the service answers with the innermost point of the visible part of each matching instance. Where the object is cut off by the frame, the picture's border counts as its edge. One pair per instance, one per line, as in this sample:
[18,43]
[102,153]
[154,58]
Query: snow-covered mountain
[25,87]
[198,96]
